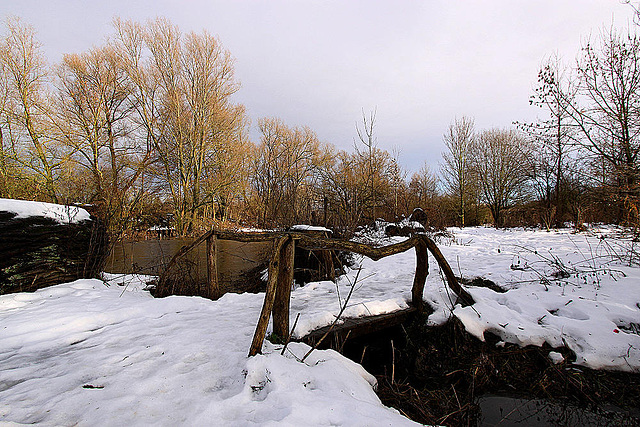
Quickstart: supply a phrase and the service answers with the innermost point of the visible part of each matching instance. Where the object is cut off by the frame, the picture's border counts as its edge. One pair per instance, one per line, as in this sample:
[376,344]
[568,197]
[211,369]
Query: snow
[411,224]
[556,357]
[160,228]
[595,311]
[86,353]
[61,213]
[302,227]
[130,282]
[90,354]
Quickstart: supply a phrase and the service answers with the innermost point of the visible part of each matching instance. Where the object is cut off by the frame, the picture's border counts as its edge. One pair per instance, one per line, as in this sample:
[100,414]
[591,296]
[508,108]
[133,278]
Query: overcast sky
[321,63]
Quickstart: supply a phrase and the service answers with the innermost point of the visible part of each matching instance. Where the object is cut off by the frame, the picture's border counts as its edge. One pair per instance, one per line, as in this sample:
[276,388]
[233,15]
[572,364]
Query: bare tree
[553,140]
[358,184]
[9,170]
[457,169]
[285,163]
[378,173]
[366,137]
[227,167]
[340,190]
[499,159]
[424,186]
[94,121]
[606,111]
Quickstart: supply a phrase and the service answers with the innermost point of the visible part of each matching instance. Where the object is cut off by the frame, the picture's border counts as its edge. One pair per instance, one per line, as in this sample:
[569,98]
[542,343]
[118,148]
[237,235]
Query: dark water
[234,259]
[509,411]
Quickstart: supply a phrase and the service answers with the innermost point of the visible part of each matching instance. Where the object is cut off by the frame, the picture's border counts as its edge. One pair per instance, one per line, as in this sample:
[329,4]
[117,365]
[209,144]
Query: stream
[235,260]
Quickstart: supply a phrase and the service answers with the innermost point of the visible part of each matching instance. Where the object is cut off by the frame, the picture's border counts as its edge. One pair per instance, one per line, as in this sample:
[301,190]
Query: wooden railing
[280,270]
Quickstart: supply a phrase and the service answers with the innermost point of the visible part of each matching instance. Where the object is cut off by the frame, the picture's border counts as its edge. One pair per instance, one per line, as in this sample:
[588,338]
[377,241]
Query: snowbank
[567,289]
[89,354]
[303,227]
[595,311]
[61,213]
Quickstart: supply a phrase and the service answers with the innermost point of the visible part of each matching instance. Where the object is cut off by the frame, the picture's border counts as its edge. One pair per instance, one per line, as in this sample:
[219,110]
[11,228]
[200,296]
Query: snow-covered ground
[87,353]
[579,290]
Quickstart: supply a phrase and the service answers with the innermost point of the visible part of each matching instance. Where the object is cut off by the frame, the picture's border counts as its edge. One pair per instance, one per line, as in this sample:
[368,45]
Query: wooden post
[326,208]
[422,270]
[283,291]
[327,268]
[269,297]
[213,288]
[465,298]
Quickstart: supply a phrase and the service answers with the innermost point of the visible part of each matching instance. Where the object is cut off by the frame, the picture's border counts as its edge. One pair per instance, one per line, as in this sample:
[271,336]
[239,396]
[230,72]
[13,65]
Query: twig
[340,345]
[393,364]
[124,289]
[342,309]
[295,322]
[363,352]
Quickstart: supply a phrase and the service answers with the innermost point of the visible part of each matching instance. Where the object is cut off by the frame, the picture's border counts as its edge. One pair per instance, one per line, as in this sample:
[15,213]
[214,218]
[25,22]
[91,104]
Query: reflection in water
[508,411]
[235,260]
[143,257]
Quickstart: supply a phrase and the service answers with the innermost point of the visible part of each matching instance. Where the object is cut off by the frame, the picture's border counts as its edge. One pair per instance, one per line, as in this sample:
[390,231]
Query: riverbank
[442,375]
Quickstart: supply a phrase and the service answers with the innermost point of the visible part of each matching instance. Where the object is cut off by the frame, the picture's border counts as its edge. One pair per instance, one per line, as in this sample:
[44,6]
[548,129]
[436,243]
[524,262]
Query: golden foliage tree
[94,123]
[182,86]
[285,172]
[27,135]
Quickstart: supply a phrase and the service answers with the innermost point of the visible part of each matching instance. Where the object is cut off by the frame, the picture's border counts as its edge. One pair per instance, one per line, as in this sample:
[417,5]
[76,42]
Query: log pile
[36,252]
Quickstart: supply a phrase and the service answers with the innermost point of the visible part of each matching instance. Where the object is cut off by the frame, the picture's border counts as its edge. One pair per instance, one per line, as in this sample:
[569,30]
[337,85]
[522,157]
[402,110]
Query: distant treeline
[144,129]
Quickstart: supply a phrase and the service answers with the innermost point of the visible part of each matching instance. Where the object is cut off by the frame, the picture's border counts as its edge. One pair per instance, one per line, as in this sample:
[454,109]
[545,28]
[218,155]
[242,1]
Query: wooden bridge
[280,278]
